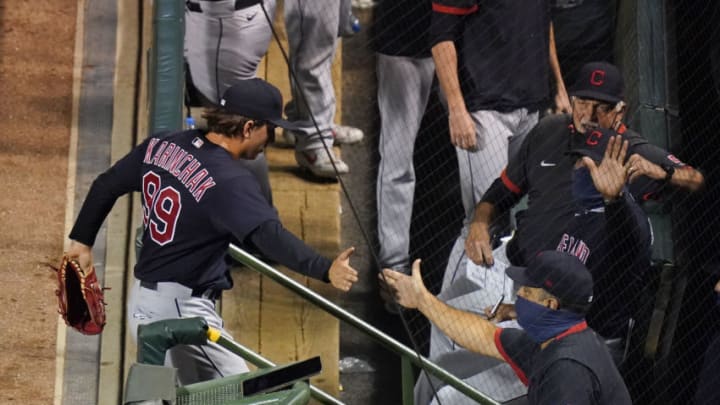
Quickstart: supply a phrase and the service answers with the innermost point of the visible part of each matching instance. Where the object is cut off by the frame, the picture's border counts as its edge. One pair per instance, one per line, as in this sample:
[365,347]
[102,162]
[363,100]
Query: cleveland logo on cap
[597,78]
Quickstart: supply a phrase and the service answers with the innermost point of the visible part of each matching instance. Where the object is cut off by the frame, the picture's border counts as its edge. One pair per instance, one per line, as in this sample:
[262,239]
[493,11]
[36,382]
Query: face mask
[583,189]
[542,323]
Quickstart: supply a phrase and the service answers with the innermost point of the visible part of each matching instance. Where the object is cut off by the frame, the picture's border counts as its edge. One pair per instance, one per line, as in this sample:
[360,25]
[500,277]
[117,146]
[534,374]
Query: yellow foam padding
[213,334]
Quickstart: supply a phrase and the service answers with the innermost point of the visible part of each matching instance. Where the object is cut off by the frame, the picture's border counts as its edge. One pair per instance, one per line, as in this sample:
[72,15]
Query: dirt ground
[36,57]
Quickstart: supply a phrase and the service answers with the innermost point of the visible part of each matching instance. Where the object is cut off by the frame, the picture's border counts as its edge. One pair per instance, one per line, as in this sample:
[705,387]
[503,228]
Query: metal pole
[408,396]
[420,361]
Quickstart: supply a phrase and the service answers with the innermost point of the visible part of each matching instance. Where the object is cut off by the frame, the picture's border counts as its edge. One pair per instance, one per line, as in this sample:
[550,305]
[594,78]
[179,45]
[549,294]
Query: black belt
[207,293]
[239,4]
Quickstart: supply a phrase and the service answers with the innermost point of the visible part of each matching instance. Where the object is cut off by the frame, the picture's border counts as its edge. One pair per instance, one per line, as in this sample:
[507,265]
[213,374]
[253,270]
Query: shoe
[346,135]
[286,140]
[319,163]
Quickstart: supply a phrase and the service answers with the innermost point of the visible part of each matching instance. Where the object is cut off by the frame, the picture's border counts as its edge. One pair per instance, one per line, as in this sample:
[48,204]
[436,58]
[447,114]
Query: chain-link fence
[654,303]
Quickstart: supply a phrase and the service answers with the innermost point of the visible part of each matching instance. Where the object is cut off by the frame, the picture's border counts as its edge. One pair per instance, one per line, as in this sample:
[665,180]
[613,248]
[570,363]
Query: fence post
[408,381]
[166,68]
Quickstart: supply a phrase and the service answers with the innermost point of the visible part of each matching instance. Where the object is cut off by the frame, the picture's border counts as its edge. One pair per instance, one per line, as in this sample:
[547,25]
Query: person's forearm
[484,212]
[466,329]
[278,244]
[688,178]
[555,63]
[445,58]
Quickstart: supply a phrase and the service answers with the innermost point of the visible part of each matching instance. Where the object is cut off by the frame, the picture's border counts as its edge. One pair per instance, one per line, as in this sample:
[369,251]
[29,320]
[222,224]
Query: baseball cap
[594,144]
[600,81]
[256,99]
[561,274]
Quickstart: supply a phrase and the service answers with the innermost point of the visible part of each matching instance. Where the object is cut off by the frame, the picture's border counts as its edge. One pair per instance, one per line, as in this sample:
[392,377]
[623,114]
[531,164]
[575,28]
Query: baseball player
[556,354]
[195,201]
[619,263]
[542,167]
[495,76]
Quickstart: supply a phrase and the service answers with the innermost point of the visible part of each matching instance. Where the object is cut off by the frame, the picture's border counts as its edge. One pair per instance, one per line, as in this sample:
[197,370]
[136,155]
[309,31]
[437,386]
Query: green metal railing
[408,355]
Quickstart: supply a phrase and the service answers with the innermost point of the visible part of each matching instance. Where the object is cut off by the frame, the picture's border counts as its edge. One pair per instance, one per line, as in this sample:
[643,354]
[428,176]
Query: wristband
[669,171]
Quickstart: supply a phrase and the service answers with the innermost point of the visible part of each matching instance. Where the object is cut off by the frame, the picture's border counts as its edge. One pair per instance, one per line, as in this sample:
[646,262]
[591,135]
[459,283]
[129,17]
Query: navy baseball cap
[600,81]
[561,274]
[256,99]
[594,143]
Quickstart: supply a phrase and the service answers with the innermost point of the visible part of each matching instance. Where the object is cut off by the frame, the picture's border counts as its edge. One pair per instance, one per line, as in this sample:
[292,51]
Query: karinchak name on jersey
[181,164]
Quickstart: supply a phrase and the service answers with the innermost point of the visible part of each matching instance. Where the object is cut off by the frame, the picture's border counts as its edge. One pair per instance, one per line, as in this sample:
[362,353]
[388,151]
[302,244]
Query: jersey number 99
[161,209]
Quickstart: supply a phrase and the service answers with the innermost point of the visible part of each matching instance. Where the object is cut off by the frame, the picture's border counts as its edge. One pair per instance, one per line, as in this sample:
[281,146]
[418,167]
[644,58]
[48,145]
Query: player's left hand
[609,177]
[639,166]
[342,276]
[82,253]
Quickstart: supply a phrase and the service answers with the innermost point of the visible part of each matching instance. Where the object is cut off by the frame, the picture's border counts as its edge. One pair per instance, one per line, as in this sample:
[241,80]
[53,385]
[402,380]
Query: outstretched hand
[409,290]
[342,276]
[610,176]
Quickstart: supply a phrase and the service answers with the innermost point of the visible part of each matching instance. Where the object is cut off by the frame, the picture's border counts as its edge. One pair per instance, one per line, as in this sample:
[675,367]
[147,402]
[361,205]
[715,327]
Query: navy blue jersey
[575,368]
[400,28]
[502,50]
[614,242]
[196,199]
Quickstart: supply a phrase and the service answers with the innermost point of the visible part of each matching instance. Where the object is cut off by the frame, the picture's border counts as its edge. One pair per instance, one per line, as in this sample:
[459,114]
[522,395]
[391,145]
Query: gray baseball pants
[173,301]
[224,45]
[499,135]
[403,90]
[312,32]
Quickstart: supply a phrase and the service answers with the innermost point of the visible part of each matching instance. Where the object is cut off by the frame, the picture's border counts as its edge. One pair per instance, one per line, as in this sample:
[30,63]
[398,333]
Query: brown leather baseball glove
[80,297]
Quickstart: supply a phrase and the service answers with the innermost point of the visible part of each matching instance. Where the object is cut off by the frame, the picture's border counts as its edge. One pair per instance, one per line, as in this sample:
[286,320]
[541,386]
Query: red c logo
[597,78]
[593,138]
